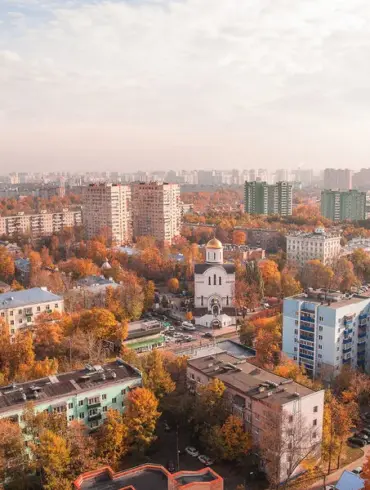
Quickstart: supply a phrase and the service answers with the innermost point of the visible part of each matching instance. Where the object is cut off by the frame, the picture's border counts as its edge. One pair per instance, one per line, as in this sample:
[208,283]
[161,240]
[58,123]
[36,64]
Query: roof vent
[296,394]
[24,396]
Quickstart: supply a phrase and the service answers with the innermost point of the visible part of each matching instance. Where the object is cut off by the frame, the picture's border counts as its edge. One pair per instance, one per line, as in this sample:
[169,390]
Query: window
[320,356]
[321,329]
[2,313]
[104,396]
[105,409]
[290,419]
[227,300]
[209,281]
[39,308]
[314,422]
[201,300]
[11,313]
[320,337]
[321,318]
[82,415]
[80,403]
[11,322]
[214,255]
[314,435]
[315,408]
[320,346]
[56,305]
[219,281]
[70,418]
[337,349]
[95,399]
[47,307]
[114,400]
[295,349]
[192,376]
[337,358]
[20,320]
[70,405]
[19,312]
[296,322]
[214,279]
[296,331]
[12,330]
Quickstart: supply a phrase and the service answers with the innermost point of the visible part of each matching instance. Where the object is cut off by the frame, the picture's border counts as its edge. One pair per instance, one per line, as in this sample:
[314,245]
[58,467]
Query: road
[334,477]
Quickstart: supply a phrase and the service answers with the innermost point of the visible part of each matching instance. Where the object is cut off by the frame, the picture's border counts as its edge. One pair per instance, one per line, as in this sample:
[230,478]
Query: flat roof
[249,379]
[16,299]
[14,396]
[332,299]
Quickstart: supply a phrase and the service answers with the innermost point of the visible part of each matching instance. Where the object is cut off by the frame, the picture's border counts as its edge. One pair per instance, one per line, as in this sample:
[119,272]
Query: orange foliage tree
[268,340]
[173,285]
[239,237]
[271,277]
[7,267]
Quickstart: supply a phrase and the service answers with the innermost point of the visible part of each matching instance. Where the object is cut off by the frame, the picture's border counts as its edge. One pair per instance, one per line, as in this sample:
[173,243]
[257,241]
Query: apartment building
[321,245]
[258,397]
[107,210]
[156,209]
[262,198]
[20,308]
[85,395]
[326,330]
[343,205]
[149,477]
[40,224]
[338,178]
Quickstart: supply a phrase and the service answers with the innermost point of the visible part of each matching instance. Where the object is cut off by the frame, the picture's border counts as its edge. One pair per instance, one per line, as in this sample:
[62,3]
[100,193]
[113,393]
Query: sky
[184,84]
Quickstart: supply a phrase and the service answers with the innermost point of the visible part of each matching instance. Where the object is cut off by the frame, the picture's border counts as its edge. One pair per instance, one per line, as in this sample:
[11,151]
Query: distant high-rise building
[337,178]
[262,198]
[156,210]
[107,210]
[343,205]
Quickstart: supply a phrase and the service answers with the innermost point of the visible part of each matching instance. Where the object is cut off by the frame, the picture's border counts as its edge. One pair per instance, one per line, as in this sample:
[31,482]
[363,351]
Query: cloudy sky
[123,85]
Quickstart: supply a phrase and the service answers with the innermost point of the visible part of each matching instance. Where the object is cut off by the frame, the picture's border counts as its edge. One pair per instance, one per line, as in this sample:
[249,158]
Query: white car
[357,471]
[188,326]
[178,335]
[192,451]
[205,460]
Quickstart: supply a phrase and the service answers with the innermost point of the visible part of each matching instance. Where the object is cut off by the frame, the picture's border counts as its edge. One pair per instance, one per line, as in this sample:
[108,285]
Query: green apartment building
[343,205]
[262,198]
[84,395]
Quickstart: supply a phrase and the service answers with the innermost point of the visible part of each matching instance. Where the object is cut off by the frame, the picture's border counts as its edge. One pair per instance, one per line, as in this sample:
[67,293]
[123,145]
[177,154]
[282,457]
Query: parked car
[188,338]
[358,470]
[329,487]
[366,431]
[208,335]
[192,451]
[364,437]
[171,466]
[206,460]
[356,442]
[178,335]
[188,326]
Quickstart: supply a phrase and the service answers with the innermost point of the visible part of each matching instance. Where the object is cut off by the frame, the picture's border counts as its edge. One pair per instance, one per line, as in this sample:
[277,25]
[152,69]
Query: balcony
[308,347]
[306,318]
[348,331]
[363,316]
[306,337]
[346,350]
[347,341]
[306,356]
[306,328]
[361,341]
[94,404]
[307,310]
[95,416]
[361,335]
[362,323]
[347,361]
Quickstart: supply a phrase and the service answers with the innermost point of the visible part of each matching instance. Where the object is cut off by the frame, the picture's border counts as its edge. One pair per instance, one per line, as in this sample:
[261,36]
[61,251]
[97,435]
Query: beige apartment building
[42,224]
[156,209]
[320,245]
[275,410]
[107,209]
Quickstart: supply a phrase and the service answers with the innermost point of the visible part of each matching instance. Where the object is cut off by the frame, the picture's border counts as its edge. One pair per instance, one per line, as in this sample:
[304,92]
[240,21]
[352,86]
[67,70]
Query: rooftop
[334,299]
[25,297]
[350,481]
[15,395]
[90,281]
[248,379]
[319,234]
[145,477]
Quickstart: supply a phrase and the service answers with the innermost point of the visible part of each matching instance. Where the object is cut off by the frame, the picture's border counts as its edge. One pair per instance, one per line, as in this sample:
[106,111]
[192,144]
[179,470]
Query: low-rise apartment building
[260,397]
[326,330]
[320,245]
[85,395]
[20,308]
[149,477]
[40,224]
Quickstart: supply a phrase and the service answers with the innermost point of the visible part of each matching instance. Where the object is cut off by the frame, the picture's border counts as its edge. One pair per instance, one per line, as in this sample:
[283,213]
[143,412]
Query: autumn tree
[271,277]
[268,340]
[289,285]
[13,458]
[211,404]
[99,321]
[7,267]
[230,441]
[316,275]
[79,268]
[361,264]
[156,378]
[247,333]
[112,438]
[141,417]
[253,276]
[173,285]
[239,237]
[149,291]
[344,276]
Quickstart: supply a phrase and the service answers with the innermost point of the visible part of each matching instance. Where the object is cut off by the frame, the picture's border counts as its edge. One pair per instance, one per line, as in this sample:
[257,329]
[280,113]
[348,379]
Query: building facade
[324,331]
[214,289]
[156,209]
[343,205]
[262,198]
[259,397]
[84,395]
[320,245]
[107,210]
[19,309]
[41,224]
[338,178]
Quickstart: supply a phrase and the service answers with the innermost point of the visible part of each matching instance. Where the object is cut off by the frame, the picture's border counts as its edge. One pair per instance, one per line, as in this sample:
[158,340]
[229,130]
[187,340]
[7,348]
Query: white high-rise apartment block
[107,210]
[323,331]
[156,210]
[321,245]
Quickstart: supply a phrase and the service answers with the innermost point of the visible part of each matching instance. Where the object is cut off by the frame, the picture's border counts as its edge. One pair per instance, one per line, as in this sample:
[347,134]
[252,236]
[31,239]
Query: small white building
[325,330]
[214,289]
[20,308]
[320,245]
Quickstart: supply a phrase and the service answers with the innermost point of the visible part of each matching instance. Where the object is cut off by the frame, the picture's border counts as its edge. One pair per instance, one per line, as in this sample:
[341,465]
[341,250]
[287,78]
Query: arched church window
[214,279]
[209,281]
[219,281]
[201,300]
[227,300]
[214,256]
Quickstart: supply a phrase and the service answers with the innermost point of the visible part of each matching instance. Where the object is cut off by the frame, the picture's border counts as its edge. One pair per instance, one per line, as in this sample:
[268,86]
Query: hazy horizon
[144,85]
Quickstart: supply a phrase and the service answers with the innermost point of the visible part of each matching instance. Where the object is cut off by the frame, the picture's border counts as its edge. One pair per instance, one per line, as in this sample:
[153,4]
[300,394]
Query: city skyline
[162,84]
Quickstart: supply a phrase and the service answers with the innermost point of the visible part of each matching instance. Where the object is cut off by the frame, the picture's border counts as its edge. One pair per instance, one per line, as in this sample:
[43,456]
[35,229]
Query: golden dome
[214,243]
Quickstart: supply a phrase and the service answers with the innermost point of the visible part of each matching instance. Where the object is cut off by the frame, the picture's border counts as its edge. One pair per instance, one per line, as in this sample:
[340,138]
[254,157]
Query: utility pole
[177,448]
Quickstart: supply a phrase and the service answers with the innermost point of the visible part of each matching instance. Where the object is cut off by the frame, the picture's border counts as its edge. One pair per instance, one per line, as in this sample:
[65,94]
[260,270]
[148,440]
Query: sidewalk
[334,477]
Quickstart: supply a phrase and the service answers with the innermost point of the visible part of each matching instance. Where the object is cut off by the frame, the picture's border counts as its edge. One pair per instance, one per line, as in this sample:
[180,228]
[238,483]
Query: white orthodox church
[214,289]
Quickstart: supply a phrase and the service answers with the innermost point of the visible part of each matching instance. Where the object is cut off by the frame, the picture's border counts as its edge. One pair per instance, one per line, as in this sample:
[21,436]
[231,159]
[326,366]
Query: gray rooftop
[19,299]
[14,396]
[249,379]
